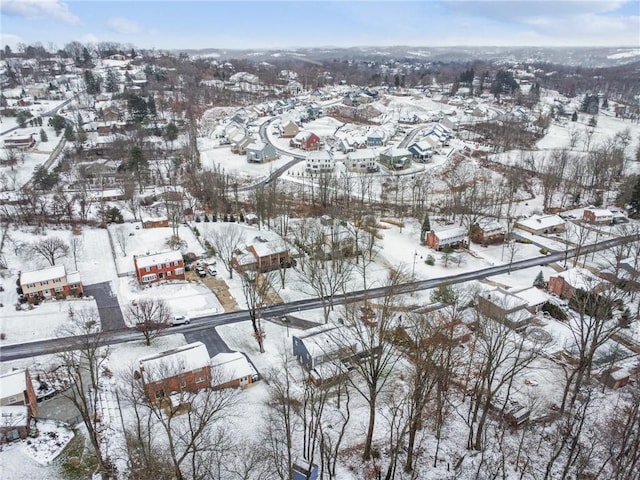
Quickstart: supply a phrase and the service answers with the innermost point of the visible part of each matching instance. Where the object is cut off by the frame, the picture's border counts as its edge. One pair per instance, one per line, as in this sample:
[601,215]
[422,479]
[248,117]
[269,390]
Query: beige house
[50,282]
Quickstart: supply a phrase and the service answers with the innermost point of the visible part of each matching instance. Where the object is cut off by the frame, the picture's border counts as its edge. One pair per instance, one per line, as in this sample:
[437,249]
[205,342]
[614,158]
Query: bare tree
[256,287]
[76,243]
[150,316]
[366,339]
[226,241]
[51,249]
[86,365]
[122,239]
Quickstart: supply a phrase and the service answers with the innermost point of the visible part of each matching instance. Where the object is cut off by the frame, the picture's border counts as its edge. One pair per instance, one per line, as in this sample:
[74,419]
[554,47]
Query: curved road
[42,347]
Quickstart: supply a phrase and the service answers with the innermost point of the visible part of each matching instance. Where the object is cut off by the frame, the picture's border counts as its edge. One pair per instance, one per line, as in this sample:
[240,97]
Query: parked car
[201,273]
[211,270]
[179,320]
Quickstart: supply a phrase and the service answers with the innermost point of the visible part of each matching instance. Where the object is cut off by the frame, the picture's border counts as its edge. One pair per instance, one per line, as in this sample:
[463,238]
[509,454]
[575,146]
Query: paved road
[108,306]
[41,347]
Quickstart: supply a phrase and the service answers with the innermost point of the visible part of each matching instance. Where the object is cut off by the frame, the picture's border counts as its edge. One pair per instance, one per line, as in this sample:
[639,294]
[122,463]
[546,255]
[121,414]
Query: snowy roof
[396,152]
[362,154]
[599,212]
[73,277]
[533,296]
[503,299]
[450,233]
[14,416]
[43,275]
[537,222]
[187,358]
[267,248]
[320,155]
[231,366]
[157,258]
[246,259]
[13,383]
[256,146]
[580,278]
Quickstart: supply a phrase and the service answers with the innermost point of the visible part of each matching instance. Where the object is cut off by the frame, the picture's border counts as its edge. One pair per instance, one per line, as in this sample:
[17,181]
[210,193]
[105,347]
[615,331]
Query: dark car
[201,272]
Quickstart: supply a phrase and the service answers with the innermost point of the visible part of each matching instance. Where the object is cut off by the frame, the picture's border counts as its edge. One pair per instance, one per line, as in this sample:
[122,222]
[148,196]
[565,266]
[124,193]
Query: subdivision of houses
[49,282]
[453,237]
[160,266]
[259,152]
[182,369]
[232,370]
[541,224]
[504,307]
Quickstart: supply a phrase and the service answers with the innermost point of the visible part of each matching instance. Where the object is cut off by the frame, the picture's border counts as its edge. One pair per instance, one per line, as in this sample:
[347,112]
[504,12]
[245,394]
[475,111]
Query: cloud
[123,25]
[10,39]
[88,38]
[39,9]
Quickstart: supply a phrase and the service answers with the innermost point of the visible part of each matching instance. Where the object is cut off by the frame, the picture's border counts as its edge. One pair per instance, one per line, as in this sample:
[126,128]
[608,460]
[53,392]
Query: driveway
[211,339]
[108,306]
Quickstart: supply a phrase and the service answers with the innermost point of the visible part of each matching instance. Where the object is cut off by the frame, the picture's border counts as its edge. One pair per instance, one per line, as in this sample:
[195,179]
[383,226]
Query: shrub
[544,251]
[430,260]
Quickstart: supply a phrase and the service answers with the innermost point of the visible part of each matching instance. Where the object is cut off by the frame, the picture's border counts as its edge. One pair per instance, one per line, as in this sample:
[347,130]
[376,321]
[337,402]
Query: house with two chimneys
[157,267]
[50,282]
[453,237]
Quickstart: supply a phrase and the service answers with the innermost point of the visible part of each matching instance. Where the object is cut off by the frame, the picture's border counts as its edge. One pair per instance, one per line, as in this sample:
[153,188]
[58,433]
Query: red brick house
[19,141]
[155,222]
[183,369]
[50,282]
[615,377]
[598,216]
[306,141]
[263,255]
[159,266]
[451,236]
[564,284]
[488,233]
[16,389]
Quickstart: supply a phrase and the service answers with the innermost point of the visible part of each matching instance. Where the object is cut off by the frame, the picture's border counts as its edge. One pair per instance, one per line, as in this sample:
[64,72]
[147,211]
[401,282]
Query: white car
[211,270]
[179,320]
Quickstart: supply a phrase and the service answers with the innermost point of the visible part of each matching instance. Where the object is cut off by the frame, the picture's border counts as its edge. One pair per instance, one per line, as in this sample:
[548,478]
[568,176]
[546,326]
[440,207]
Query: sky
[164,24]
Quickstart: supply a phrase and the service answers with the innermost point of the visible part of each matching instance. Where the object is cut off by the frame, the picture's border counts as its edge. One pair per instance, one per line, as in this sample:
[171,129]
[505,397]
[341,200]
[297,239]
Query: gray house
[395,158]
[375,139]
[259,152]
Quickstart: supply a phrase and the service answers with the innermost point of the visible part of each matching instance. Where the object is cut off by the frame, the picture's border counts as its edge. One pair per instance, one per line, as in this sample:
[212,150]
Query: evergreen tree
[137,163]
[151,106]
[605,103]
[68,133]
[574,117]
[92,83]
[58,123]
[111,82]
[539,280]
[43,136]
[426,226]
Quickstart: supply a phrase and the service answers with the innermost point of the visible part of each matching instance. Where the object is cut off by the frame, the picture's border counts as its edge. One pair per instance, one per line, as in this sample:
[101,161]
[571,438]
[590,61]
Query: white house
[320,161]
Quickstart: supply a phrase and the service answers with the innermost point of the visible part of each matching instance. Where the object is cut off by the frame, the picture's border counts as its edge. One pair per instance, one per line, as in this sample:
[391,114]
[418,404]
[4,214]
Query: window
[176,263]
[149,278]
[167,265]
[179,271]
[169,273]
[200,379]
[183,384]
[73,286]
[147,269]
[13,399]
[59,289]
[160,393]
[32,294]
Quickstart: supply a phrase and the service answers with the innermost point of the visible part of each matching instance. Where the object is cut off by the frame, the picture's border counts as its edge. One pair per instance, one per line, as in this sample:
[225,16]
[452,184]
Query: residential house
[289,129]
[183,369]
[598,216]
[263,255]
[534,297]
[306,141]
[362,160]
[541,224]
[421,150]
[39,90]
[232,370]
[316,345]
[488,233]
[615,377]
[15,423]
[239,144]
[50,282]
[504,307]
[156,267]
[337,239]
[155,222]
[302,469]
[16,389]
[319,161]
[564,284]
[396,158]
[453,237]
[259,152]
[375,138]
[23,142]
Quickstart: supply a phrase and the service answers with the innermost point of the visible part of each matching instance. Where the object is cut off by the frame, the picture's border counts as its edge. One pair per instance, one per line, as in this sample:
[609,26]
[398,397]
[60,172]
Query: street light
[413,270]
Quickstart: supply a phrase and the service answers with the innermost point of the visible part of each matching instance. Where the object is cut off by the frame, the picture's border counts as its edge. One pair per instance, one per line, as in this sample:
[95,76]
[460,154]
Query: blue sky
[289,24]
